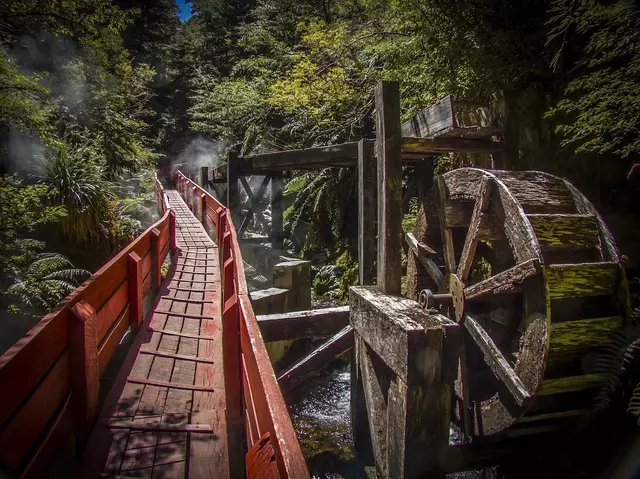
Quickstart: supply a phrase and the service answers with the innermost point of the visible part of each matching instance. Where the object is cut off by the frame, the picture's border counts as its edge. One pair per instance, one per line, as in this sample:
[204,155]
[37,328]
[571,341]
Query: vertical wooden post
[156,264]
[136,296]
[172,230]
[193,202]
[204,176]
[367,212]
[233,173]
[388,139]
[84,368]
[276,210]
[203,209]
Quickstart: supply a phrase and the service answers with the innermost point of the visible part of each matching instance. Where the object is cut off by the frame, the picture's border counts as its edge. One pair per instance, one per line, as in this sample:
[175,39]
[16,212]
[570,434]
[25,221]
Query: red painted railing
[250,380]
[50,378]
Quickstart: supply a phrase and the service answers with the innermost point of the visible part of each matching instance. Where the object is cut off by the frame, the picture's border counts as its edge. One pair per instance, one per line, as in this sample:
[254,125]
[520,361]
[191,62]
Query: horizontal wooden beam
[317,359]
[305,158]
[445,145]
[303,324]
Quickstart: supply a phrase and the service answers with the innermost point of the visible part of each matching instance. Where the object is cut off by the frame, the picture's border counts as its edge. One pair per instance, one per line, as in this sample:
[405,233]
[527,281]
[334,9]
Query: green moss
[318,438]
[349,274]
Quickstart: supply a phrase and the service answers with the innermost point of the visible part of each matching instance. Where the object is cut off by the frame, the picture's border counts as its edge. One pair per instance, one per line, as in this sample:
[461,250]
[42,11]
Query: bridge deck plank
[171,454]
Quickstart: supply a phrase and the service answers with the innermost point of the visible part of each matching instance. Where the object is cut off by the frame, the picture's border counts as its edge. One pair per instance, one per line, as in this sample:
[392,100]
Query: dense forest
[95,93]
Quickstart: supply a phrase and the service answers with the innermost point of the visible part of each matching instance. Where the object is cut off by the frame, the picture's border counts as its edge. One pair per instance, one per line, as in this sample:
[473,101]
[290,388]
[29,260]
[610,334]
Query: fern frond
[612,363]
[634,403]
[68,274]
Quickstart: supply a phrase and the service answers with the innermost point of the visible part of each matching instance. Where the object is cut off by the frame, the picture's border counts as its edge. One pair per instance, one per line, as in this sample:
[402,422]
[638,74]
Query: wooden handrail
[249,376]
[50,377]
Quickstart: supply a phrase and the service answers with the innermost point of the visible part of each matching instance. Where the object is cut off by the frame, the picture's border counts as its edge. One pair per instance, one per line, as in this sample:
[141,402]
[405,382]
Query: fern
[48,279]
[614,362]
[634,403]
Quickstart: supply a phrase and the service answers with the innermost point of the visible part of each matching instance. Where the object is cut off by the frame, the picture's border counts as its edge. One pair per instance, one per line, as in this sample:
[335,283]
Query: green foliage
[44,281]
[325,281]
[349,273]
[600,112]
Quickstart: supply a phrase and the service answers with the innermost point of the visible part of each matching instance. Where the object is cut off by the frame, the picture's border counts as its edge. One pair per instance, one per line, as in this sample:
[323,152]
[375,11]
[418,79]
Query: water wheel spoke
[497,362]
[445,230]
[505,282]
[424,253]
[471,241]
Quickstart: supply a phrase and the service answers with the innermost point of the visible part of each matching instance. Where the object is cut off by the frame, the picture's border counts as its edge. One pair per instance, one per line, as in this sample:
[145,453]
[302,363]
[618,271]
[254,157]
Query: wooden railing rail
[254,398]
[51,376]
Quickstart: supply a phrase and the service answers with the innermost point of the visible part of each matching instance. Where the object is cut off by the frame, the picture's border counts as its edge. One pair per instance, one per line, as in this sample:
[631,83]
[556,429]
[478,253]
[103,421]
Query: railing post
[203,209]
[222,223]
[367,212]
[136,298]
[156,264]
[172,230]
[84,368]
[233,174]
[192,199]
[204,176]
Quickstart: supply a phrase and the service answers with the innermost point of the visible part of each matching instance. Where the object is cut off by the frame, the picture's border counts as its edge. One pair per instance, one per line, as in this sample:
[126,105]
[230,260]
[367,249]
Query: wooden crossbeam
[303,324]
[159,427]
[167,384]
[182,335]
[181,357]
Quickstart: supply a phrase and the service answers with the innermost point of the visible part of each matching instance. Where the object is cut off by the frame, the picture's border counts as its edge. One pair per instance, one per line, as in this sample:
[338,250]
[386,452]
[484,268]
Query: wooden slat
[24,364]
[182,335]
[497,362]
[432,120]
[554,415]
[303,324]
[52,443]
[507,281]
[471,241]
[575,338]
[569,384]
[293,159]
[445,231]
[113,338]
[160,427]
[565,230]
[169,384]
[110,312]
[585,279]
[20,434]
[181,357]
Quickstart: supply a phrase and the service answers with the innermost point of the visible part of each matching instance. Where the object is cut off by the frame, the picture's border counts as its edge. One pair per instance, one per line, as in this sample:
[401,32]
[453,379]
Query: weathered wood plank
[395,328]
[445,231]
[585,279]
[303,324]
[497,362]
[569,384]
[423,252]
[554,415]
[275,235]
[317,359]
[471,241]
[292,159]
[388,137]
[445,145]
[432,120]
[507,281]
[565,231]
[575,338]
[458,215]
[367,212]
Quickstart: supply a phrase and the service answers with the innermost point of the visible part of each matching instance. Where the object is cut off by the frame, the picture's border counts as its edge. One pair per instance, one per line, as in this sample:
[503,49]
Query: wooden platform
[165,415]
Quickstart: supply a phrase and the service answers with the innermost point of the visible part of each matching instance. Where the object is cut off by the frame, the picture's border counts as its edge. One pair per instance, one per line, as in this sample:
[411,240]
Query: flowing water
[320,410]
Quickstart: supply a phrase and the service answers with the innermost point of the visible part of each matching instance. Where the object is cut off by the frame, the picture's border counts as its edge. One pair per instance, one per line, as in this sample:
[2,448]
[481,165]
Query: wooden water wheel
[536,282]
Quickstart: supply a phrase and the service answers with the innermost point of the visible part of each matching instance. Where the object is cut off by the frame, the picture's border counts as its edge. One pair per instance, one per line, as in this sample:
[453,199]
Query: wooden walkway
[165,415]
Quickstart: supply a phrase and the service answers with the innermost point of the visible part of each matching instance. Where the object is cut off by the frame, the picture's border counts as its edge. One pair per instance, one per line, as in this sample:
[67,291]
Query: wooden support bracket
[136,295]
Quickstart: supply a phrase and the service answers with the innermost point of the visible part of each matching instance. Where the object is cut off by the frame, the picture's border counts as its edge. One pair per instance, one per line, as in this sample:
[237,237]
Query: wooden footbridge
[196,395]
[513,281]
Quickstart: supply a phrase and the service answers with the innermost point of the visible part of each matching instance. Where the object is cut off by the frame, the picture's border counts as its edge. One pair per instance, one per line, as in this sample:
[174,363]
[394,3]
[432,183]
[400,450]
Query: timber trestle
[195,396]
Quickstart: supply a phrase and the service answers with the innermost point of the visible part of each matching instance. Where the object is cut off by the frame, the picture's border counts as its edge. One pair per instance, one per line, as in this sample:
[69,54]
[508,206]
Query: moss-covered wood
[569,384]
[566,231]
[575,338]
[585,279]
